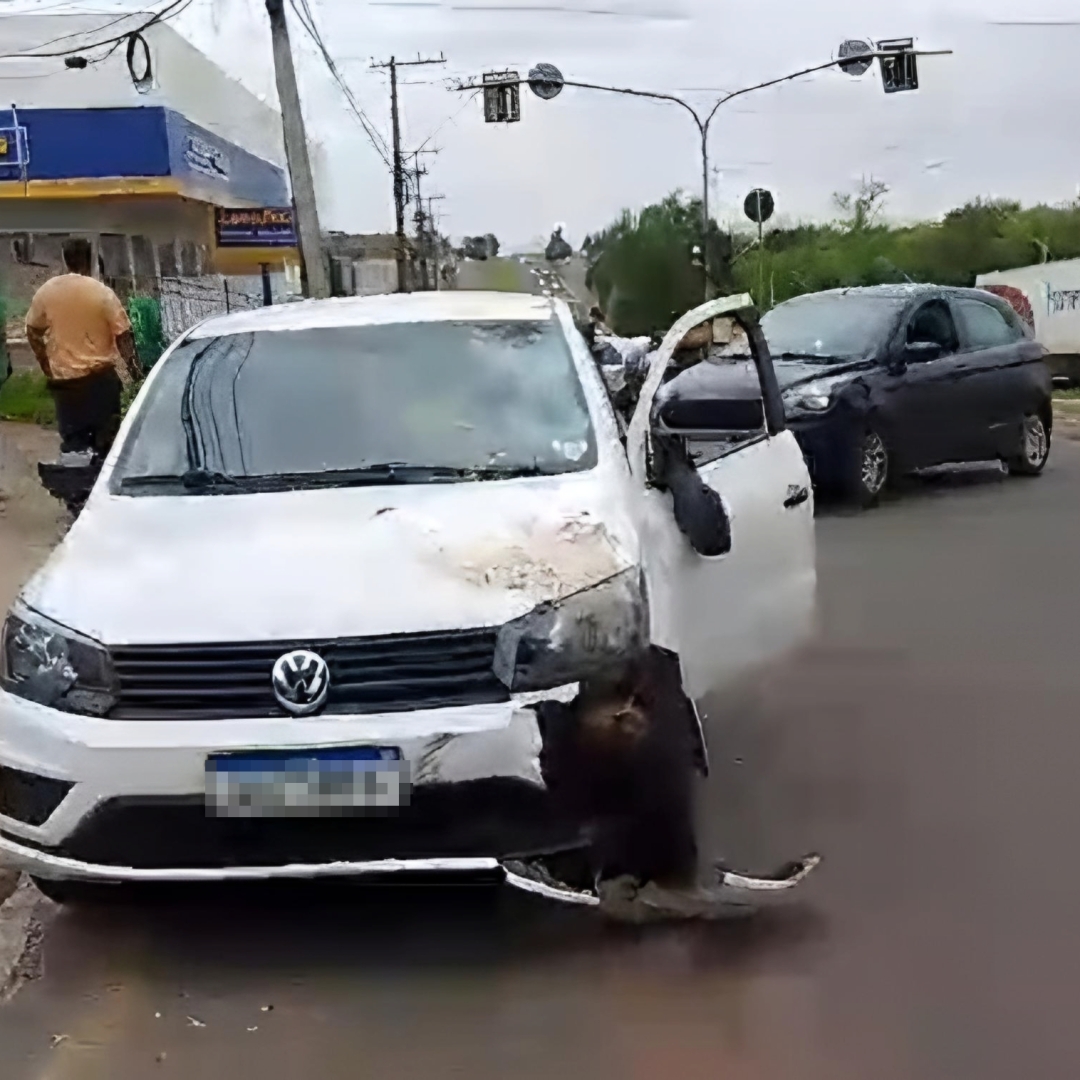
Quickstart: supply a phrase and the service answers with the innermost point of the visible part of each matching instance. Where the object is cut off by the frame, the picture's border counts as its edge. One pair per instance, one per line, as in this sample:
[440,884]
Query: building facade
[135,152]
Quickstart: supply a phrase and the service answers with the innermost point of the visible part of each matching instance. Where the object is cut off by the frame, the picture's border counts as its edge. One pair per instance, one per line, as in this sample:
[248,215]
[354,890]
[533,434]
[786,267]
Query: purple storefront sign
[262,227]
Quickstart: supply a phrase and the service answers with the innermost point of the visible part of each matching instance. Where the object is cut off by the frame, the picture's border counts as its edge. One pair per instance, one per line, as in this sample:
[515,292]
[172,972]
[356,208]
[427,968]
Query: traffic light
[900,71]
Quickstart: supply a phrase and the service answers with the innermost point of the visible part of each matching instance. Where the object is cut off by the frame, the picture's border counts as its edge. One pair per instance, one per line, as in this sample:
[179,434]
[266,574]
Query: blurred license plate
[306,783]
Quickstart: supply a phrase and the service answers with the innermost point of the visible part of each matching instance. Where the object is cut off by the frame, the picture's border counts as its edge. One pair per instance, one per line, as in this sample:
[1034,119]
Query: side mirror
[917,352]
[711,401]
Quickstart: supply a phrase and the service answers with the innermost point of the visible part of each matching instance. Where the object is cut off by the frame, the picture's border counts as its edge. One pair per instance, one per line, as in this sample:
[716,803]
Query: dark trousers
[88,411]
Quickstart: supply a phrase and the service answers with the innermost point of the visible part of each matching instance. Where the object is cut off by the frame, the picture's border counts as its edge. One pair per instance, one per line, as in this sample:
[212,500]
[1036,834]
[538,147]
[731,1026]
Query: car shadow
[933,483]
[343,926]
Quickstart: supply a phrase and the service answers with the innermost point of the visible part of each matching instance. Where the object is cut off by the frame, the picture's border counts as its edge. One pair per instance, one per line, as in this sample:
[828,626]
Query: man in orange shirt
[82,339]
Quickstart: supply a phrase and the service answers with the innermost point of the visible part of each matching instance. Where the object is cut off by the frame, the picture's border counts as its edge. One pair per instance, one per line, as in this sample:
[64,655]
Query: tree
[861,210]
[644,268]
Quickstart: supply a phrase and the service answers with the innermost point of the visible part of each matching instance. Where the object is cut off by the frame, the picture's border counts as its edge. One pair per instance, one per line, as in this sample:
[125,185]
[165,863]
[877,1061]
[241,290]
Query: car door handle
[796,496]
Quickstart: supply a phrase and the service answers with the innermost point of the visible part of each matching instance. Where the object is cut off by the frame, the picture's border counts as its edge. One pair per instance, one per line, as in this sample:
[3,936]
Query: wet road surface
[927,743]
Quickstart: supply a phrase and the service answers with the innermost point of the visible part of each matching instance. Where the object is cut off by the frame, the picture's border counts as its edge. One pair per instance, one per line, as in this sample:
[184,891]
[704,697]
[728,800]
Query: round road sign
[759,205]
[545,81]
[856,49]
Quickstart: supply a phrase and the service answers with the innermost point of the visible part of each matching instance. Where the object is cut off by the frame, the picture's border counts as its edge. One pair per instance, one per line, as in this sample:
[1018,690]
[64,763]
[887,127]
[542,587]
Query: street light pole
[703,123]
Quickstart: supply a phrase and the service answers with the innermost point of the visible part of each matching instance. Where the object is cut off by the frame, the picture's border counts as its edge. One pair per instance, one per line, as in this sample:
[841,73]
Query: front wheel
[1034,448]
[869,470]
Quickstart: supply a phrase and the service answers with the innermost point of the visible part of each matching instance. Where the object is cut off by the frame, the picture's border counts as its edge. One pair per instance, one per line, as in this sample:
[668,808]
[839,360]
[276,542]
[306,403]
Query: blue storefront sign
[267,226]
[205,158]
[148,149]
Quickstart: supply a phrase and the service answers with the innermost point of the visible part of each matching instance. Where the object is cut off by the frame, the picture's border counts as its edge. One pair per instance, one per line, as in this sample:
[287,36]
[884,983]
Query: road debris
[57,1040]
[194,1022]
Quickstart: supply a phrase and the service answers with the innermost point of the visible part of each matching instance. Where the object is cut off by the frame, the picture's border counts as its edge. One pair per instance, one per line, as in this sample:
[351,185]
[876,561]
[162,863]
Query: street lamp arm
[811,71]
[656,96]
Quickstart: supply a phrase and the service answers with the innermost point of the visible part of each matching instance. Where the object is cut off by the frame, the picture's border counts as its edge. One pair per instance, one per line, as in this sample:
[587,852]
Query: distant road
[500,275]
[530,274]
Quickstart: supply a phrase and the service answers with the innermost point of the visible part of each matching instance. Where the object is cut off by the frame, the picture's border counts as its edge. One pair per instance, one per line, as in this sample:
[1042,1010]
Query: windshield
[361,404]
[831,327]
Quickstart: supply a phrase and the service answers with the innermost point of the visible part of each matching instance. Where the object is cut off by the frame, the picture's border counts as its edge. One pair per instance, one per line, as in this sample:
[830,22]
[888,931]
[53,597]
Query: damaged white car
[382,585]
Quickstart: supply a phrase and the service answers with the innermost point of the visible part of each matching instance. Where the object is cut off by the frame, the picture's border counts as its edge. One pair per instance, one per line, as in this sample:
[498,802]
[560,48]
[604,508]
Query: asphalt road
[927,743]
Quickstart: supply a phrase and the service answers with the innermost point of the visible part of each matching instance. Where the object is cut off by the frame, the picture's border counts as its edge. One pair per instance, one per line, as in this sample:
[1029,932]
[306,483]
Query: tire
[79,892]
[1034,448]
[869,470]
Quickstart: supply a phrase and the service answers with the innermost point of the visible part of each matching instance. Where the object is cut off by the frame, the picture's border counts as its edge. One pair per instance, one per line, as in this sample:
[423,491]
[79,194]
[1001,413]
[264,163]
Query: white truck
[1047,297]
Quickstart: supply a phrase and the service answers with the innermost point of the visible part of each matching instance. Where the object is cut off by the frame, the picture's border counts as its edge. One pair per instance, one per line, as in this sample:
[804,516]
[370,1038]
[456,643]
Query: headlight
[813,397]
[592,634]
[47,663]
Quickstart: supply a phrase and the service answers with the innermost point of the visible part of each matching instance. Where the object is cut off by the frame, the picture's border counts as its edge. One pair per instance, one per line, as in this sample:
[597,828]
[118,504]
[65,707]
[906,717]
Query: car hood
[791,373]
[331,563]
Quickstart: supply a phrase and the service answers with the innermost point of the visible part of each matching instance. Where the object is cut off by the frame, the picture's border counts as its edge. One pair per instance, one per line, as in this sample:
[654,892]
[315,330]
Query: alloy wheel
[1035,443]
[875,463]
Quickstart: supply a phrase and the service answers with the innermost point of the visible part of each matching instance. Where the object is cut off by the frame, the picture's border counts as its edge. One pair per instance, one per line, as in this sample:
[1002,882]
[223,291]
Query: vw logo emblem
[301,682]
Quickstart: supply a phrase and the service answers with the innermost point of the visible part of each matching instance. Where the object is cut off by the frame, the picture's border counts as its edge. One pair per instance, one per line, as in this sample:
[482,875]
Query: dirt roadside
[31,521]
[1067,418]
[30,524]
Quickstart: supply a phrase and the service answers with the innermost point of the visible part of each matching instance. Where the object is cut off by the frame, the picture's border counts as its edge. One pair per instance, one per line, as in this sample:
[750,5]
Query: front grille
[30,798]
[367,675]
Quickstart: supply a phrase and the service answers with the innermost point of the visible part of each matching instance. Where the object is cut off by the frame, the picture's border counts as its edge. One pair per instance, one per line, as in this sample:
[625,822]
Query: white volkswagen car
[369,586]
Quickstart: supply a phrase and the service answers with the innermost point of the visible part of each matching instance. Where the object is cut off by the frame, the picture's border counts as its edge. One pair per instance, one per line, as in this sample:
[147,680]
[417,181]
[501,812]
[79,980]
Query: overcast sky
[997,118]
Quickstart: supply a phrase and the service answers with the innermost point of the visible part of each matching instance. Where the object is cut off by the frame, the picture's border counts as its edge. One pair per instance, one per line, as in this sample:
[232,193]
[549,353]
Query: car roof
[449,306]
[905,291]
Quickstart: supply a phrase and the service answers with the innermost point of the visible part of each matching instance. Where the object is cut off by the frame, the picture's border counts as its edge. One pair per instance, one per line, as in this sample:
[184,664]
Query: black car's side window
[984,326]
[933,322]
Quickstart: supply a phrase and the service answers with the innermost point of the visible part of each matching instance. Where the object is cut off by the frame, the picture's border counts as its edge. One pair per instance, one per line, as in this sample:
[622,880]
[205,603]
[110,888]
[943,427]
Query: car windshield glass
[407,402]
[831,327]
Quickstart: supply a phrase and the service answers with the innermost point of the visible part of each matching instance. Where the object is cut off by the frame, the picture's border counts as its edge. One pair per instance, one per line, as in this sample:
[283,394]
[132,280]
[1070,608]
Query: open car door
[752,596]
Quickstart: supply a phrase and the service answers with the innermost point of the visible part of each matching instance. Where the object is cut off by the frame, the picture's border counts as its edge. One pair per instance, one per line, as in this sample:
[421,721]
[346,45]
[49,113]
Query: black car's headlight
[595,633]
[52,665]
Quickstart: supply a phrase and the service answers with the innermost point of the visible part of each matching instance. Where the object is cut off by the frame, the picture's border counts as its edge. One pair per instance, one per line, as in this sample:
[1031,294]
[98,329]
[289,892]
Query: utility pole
[399,168]
[419,171]
[313,267]
[433,236]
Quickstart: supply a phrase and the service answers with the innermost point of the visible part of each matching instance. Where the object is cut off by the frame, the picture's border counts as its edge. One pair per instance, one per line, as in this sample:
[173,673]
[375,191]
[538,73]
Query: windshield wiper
[208,482]
[395,472]
[391,472]
[197,481]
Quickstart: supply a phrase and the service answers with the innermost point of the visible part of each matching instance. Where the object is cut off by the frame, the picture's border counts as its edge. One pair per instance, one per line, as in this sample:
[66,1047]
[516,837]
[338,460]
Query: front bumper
[827,441]
[135,809]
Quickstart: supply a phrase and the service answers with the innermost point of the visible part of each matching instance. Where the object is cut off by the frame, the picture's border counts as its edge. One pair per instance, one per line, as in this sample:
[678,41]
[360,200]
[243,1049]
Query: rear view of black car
[879,382]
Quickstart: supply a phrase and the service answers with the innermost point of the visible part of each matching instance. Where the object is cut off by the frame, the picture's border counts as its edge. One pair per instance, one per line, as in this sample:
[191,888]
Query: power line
[451,118]
[172,9]
[307,20]
[306,17]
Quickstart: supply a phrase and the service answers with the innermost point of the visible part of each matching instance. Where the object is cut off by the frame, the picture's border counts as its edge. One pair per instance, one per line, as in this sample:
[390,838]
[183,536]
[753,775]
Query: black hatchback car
[887,380]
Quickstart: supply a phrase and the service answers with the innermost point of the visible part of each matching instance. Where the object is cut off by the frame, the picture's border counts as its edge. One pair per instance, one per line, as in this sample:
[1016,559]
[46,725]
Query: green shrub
[25,396]
[145,315]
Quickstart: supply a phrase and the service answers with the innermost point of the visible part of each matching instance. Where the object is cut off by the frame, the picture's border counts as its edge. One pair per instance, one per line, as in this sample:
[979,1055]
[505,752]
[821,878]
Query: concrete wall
[374,276]
[184,79]
[1053,291]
